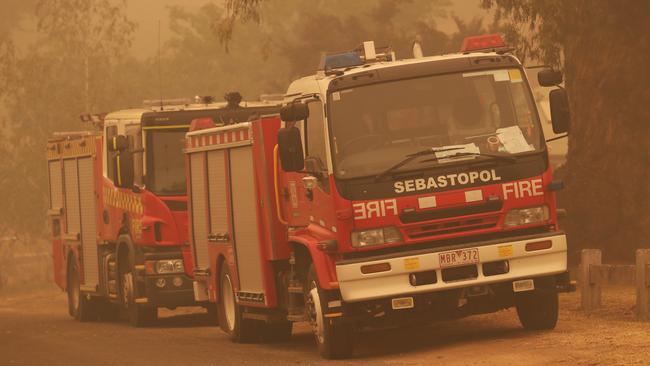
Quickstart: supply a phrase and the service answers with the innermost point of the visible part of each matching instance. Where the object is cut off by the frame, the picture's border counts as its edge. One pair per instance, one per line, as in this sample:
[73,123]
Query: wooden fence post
[590,292]
[643,284]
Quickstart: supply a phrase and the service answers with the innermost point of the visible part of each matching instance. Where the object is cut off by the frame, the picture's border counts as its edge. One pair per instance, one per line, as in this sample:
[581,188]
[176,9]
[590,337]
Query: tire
[538,309]
[231,321]
[277,332]
[334,340]
[81,307]
[139,315]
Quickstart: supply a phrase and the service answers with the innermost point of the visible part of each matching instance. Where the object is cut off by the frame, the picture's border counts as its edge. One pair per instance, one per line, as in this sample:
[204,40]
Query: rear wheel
[139,315]
[334,340]
[231,320]
[80,306]
[538,309]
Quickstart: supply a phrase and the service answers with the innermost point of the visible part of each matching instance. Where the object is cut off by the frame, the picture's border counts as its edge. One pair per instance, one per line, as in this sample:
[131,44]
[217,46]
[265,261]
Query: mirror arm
[306,97]
[318,175]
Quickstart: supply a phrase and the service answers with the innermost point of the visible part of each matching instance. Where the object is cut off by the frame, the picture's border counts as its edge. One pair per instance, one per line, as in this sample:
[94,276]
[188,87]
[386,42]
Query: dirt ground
[36,330]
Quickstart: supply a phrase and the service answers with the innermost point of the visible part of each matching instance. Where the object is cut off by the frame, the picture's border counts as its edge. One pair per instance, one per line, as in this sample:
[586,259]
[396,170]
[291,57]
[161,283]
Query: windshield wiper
[411,157]
[509,159]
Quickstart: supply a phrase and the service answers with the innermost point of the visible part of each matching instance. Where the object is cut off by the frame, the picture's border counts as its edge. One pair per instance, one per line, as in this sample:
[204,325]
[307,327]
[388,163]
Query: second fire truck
[118,208]
[387,191]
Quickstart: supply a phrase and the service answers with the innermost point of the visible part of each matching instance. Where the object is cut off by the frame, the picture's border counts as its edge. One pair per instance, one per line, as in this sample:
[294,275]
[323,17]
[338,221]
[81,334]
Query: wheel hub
[127,288]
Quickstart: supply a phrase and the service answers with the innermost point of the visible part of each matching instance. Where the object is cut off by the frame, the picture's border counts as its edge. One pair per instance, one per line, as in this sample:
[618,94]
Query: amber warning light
[484,42]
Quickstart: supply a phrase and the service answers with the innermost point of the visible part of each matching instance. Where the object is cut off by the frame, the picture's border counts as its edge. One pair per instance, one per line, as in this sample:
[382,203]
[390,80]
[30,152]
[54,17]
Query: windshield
[375,126]
[165,164]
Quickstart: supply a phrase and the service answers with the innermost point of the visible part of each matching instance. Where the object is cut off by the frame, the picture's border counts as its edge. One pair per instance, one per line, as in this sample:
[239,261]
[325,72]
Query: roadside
[25,265]
[35,329]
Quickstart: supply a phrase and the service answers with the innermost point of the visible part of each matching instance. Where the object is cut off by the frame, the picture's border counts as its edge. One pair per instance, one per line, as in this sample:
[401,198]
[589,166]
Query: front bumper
[356,286]
[171,294]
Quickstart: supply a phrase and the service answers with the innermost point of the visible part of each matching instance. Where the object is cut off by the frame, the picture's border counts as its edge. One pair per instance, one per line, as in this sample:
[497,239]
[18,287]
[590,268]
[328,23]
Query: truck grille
[451,227]
[443,213]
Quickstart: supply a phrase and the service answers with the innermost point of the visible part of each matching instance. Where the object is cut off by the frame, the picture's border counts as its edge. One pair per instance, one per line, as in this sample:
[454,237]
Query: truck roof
[128,114]
[184,113]
[320,82]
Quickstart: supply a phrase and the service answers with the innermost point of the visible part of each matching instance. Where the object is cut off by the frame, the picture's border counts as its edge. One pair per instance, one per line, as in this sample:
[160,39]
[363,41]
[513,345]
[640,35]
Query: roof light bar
[340,60]
[363,54]
[202,124]
[483,42]
[165,102]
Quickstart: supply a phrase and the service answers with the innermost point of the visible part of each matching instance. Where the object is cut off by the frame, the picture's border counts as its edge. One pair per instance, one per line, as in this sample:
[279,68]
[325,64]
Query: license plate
[523,285]
[402,303]
[458,257]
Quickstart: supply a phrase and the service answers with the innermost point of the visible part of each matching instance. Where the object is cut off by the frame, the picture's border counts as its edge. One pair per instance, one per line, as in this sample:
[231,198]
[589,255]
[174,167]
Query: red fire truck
[118,209]
[387,191]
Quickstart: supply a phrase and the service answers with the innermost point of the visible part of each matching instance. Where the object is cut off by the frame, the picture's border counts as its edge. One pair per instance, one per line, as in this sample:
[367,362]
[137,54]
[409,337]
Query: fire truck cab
[118,209]
[388,191]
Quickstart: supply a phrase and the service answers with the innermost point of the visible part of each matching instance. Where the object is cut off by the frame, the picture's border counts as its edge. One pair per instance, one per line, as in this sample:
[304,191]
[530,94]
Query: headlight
[384,235]
[169,266]
[526,216]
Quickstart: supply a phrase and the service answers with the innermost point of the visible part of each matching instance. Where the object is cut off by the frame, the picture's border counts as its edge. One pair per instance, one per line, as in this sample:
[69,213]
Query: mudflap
[563,282]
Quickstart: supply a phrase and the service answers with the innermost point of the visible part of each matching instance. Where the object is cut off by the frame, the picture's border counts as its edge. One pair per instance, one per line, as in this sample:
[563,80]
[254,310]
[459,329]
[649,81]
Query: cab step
[297,317]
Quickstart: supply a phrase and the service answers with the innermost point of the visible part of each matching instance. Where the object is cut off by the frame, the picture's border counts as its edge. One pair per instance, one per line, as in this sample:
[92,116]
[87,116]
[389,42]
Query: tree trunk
[608,171]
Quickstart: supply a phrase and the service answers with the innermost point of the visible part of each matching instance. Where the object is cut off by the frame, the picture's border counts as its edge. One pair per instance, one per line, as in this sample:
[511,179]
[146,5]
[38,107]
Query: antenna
[417,47]
[159,69]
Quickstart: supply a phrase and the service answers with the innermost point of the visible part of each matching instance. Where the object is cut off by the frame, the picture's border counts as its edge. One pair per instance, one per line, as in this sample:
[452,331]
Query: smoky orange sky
[147,13]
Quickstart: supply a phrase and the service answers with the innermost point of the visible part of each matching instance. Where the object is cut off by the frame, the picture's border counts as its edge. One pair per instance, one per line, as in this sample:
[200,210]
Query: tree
[604,49]
[236,11]
[96,31]
[72,69]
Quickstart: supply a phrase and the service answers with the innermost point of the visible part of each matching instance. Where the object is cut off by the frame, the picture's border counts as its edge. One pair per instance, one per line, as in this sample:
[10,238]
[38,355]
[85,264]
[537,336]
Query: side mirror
[293,112]
[560,114]
[125,170]
[118,143]
[548,77]
[290,148]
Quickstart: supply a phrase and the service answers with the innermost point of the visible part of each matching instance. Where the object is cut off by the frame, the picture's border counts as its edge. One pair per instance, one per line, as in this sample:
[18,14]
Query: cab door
[318,200]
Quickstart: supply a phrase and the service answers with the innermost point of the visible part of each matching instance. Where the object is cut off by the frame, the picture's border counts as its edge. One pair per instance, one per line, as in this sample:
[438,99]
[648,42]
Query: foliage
[264,56]
[604,48]
[236,11]
[71,69]
[89,27]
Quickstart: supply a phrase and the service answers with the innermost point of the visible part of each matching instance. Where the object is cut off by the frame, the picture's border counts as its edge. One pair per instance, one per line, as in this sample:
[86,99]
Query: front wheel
[538,309]
[139,315]
[334,340]
[80,306]
[231,320]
